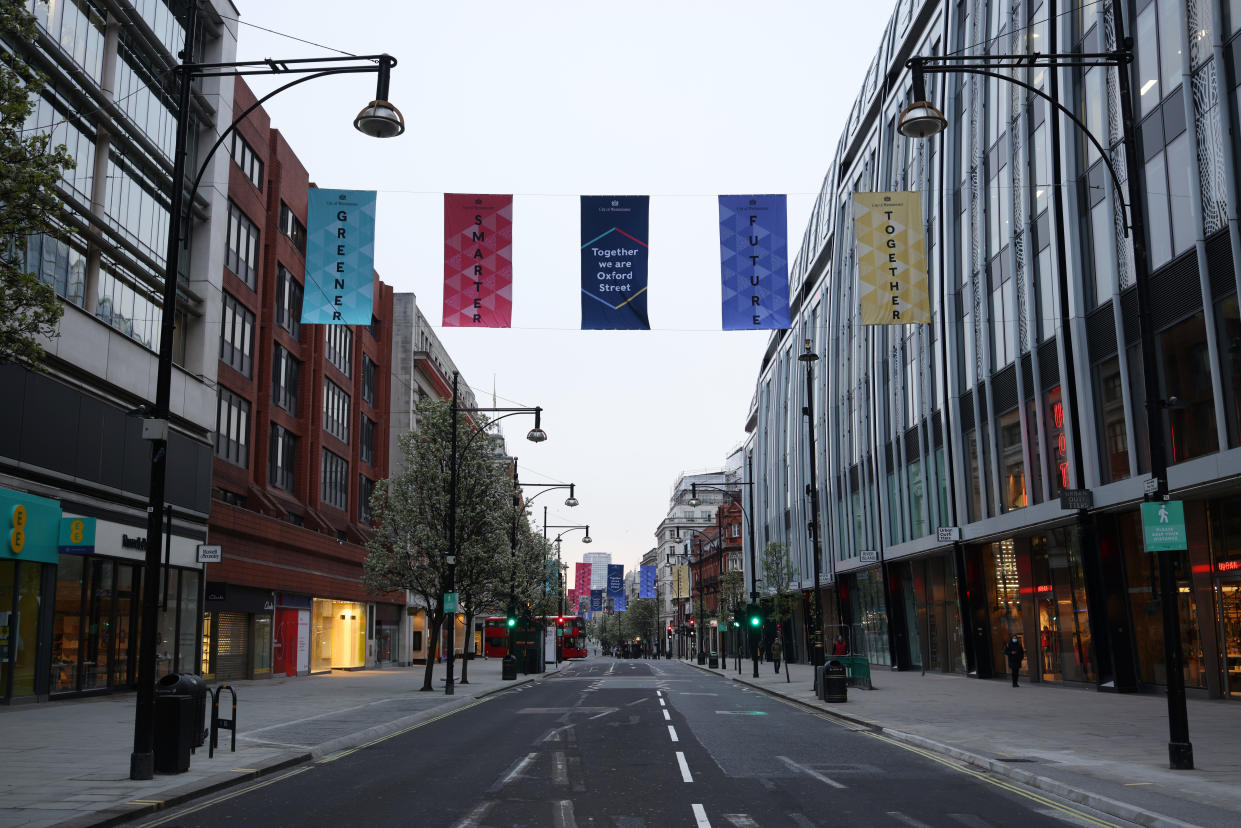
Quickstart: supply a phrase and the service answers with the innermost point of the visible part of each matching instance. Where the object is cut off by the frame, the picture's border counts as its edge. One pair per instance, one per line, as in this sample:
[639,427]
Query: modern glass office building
[1029,379]
[70,445]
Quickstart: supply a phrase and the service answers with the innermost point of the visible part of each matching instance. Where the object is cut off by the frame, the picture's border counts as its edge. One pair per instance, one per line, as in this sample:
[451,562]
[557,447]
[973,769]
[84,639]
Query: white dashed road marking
[686,776]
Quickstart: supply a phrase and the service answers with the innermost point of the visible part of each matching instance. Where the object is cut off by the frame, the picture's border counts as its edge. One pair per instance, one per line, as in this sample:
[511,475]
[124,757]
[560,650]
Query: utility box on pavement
[174,733]
[835,683]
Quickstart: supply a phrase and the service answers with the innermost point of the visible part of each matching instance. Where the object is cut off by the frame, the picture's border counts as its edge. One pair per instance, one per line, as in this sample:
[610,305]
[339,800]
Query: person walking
[1016,654]
[839,646]
[777,650]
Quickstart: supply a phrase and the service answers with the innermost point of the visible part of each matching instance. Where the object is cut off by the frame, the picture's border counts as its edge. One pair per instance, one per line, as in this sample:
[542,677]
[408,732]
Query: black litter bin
[835,683]
[188,684]
[713,660]
[508,668]
[174,732]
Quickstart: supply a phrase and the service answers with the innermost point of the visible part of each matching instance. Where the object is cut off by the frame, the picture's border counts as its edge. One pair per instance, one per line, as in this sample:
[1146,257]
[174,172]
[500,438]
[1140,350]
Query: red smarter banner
[478,261]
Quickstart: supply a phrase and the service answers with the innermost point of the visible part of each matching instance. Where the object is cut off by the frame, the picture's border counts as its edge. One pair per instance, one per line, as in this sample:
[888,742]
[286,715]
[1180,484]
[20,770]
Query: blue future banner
[620,603]
[596,600]
[646,582]
[616,581]
[340,257]
[754,262]
[614,262]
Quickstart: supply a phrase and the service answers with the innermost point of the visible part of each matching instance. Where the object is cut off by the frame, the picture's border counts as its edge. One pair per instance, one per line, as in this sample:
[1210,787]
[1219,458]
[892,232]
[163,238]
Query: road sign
[210,554]
[1150,485]
[868,556]
[450,602]
[1163,526]
[947,534]
[1076,499]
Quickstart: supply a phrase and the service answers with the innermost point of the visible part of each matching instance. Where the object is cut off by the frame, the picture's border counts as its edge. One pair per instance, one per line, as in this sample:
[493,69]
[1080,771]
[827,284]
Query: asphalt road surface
[629,744]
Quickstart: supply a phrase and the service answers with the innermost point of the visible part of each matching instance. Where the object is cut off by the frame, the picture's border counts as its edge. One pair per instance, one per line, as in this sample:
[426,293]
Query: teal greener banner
[340,257]
[1163,526]
[31,526]
[77,536]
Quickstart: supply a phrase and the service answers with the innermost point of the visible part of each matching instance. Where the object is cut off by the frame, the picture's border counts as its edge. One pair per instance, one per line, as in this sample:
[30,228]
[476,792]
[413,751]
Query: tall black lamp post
[378,119]
[535,435]
[922,120]
[559,570]
[809,357]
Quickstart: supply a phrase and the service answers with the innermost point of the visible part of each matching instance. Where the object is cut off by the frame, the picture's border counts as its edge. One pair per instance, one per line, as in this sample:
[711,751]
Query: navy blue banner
[596,600]
[754,262]
[614,262]
[646,581]
[616,581]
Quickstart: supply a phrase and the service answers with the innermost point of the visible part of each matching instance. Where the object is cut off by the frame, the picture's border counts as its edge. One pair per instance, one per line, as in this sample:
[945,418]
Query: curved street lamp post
[923,119]
[378,119]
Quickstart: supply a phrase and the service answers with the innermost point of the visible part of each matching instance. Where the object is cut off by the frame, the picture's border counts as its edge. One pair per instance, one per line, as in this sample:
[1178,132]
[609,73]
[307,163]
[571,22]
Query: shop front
[924,591]
[337,635]
[863,589]
[291,636]
[237,632]
[386,631]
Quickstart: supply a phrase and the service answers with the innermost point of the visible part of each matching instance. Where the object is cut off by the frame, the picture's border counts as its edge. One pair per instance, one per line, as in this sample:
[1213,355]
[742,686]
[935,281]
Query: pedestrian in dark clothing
[840,646]
[777,650]
[1016,654]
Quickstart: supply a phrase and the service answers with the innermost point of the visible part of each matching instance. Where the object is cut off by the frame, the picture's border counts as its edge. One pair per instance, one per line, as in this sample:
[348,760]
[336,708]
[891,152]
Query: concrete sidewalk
[67,762]
[1104,750]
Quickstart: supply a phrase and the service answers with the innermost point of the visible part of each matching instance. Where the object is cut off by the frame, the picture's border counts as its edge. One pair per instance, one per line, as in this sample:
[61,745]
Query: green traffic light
[512,622]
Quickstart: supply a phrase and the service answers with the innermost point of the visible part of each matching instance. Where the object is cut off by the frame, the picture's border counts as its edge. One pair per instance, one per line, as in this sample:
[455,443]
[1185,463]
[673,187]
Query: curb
[126,812]
[1097,802]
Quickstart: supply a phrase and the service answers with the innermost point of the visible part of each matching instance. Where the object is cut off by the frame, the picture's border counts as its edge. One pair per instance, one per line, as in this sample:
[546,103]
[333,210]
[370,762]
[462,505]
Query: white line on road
[686,776]
[741,820]
[516,771]
[473,817]
[659,692]
[672,731]
[667,717]
[907,820]
[560,769]
[636,701]
[563,817]
[663,703]
[700,814]
[811,773]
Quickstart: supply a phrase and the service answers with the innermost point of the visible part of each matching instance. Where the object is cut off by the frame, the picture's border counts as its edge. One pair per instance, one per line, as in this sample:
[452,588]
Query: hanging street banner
[646,581]
[340,257]
[620,603]
[478,261]
[616,581]
[754,262]
[583,604]
[596,600]
[581,578]
[573,599]
[680,581]
[891,255]
[614,262]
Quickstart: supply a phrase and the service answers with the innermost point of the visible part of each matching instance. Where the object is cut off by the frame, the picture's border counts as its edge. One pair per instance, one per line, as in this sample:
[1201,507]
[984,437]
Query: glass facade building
[1029,379]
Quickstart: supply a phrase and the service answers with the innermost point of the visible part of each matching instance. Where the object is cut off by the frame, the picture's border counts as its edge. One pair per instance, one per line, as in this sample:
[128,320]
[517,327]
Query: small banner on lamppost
[616,581]
[646,581]
[614,257]
[596,600]
[620,603]
[754,262]
[581,578]
[340,257]
[478,261]
[891,256]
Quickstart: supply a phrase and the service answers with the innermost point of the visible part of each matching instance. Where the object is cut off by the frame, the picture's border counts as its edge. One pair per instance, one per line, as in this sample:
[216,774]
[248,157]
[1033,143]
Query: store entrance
[1228,599]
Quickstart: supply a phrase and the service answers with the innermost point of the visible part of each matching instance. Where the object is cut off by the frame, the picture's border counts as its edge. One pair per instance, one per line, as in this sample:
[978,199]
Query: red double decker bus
[570,635]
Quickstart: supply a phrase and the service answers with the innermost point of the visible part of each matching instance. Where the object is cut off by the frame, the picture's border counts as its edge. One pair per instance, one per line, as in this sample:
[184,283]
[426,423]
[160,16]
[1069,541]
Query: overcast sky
[679,100]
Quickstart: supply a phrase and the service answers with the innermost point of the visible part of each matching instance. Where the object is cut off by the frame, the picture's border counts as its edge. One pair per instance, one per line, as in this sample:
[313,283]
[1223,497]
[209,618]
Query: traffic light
[755,616]
[511,621]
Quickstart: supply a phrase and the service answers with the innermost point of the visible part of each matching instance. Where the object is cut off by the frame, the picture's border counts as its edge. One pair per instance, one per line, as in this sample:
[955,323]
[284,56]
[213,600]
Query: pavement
[66,763]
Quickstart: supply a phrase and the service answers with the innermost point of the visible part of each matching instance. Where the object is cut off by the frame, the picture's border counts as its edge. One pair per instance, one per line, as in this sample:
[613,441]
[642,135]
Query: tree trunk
[465,650]
[433,652]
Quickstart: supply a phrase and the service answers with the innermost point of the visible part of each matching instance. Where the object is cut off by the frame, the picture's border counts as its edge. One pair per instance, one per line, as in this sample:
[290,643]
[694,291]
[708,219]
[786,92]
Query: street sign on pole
[450,602]
[947,534]
[868,556]
[1163,526]
[209,554]
[1076,499]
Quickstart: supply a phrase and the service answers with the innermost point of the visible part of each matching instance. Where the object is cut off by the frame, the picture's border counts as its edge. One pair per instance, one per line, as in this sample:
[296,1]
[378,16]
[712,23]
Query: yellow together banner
[680,577]
[891,254]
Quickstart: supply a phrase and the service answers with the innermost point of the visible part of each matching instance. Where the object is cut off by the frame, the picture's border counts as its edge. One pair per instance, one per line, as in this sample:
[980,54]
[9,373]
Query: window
[374,328]
[366,487]
[284,373]
[291,227]
[340,348]
[335,410]
[366,440]
[1113,441]
[368,380]
[288,301]
[243,246]
[1012,465]
[281,462]
[335,488]
[232,428]
[248,160]
[236,336]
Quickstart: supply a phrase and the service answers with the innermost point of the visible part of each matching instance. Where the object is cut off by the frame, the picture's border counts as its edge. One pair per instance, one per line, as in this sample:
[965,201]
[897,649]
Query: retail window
[1185,372]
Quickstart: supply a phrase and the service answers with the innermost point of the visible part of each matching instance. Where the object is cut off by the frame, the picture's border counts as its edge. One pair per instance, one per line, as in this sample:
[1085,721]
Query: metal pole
[749,460]
[450,583]
[812,491]
[142,759]
[1180,749]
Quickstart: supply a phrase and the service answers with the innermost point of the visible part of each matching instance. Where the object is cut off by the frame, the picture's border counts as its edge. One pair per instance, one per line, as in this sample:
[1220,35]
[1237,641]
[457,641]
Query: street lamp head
[694,500]
[379,118]
[808,355]
[921,119]
[571,500]
[537,434]
[587,538]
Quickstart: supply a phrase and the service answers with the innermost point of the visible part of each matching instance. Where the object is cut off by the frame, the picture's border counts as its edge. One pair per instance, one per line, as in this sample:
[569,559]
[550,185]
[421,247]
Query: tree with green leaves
[30,168]
[778,576]
[410,545]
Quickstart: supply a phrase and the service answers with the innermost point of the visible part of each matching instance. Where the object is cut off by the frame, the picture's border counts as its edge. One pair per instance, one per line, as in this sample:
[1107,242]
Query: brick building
[302,419]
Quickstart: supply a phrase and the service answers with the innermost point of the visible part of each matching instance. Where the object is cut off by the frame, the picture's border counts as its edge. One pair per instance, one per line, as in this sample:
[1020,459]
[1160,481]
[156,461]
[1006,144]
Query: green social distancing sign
[1163,526]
